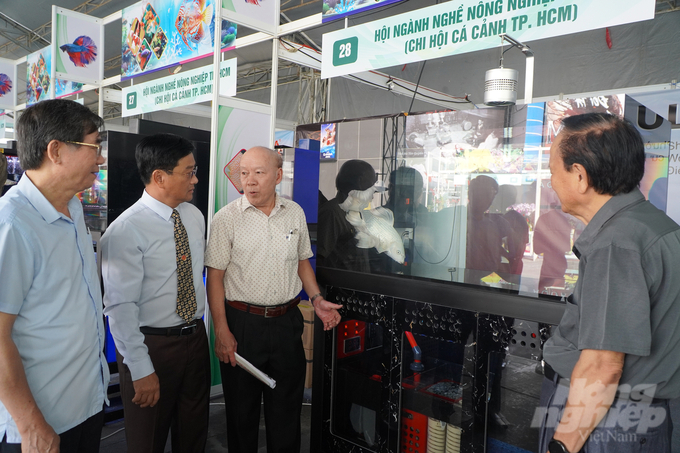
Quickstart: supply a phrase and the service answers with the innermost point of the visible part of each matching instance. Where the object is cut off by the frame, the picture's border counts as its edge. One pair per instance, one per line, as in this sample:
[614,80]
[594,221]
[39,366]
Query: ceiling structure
[25,27]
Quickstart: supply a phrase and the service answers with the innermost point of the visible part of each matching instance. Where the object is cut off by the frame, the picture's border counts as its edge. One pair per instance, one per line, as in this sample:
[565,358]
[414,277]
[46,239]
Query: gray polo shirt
[627,297]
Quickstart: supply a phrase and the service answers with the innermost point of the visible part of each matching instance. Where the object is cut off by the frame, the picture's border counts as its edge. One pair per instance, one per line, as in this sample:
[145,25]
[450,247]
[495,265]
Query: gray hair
[56,119]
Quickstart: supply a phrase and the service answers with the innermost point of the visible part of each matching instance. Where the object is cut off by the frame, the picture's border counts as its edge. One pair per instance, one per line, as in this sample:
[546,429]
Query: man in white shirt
[152,264]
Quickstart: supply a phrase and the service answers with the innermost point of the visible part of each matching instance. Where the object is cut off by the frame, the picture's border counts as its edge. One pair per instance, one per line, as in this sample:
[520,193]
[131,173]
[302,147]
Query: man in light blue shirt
[53,374]
[163,355]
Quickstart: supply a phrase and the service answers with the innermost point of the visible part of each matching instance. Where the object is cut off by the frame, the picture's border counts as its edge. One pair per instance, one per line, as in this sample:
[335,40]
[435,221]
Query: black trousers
[182,365]
[274,345]
[83,438]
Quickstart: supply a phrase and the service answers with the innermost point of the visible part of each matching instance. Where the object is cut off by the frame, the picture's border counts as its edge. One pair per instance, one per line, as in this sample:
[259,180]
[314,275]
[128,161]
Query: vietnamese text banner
[457,27]
[178,90]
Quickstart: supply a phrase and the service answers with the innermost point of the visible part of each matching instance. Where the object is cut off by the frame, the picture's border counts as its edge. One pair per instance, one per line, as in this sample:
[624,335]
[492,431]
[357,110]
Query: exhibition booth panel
[452,271]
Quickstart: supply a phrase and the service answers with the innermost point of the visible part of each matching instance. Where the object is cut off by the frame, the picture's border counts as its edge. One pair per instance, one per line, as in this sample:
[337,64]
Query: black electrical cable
[415,92]
[462,101]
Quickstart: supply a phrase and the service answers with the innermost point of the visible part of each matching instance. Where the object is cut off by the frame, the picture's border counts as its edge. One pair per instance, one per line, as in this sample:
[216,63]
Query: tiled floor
[114,433]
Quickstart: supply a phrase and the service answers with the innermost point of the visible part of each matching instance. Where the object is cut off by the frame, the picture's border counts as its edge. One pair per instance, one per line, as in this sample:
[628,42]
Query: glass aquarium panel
[436,396]
[469,199]
[361,354]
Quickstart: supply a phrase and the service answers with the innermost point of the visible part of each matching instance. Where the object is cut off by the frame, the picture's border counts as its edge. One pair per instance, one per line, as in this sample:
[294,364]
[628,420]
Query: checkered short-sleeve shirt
[259,253]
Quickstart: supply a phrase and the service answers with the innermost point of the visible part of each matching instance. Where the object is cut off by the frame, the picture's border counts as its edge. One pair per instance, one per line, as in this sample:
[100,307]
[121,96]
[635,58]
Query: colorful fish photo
[144,55]
[150,22]
[37,77]
[176,31]
[134,41]
[5,84]
[149,14]
[193,18]
[82,52]
[158,43]
[228,35]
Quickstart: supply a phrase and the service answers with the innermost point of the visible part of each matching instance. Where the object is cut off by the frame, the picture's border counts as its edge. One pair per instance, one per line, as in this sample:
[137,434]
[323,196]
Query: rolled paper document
[250,368]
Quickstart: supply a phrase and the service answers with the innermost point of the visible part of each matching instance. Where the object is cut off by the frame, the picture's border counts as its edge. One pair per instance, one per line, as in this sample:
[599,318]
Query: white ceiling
[575,64]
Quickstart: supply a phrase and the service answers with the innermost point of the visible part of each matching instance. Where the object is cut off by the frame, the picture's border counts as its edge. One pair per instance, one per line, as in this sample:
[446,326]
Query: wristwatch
[555,446]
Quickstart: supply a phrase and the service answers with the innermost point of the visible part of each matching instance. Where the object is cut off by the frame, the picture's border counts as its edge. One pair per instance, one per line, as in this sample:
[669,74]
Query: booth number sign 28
[345,51]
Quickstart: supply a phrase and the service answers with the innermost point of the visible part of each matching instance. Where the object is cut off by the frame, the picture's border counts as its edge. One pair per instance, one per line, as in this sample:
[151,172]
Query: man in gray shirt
[612,363]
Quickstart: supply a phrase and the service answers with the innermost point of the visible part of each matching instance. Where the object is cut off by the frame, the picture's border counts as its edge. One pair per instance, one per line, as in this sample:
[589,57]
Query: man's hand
[225,346]
[147,391]
[41,438]
[327,312]
[592,390]
[36,434]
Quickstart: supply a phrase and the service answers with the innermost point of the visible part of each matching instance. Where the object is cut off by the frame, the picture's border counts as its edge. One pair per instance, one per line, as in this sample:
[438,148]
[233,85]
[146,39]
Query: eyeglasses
[91,145]
[188,175]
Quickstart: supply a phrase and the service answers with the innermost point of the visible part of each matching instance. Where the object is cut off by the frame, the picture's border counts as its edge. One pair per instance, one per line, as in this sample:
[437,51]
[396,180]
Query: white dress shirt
[139,269]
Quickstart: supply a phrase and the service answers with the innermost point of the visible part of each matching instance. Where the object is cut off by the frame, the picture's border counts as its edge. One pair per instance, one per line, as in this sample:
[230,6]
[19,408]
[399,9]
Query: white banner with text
[178,90]
[457,27]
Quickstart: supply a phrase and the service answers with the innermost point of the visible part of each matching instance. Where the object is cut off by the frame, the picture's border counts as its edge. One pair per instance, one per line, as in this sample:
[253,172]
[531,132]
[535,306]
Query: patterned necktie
[186,294]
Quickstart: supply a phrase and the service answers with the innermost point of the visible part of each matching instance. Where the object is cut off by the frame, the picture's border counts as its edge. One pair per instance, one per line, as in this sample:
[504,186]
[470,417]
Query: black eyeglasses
[188,175]
[91,145]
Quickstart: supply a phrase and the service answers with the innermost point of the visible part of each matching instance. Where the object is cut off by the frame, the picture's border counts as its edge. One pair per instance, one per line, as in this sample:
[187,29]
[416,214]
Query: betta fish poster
[161,33]
[8,84]
[78,53]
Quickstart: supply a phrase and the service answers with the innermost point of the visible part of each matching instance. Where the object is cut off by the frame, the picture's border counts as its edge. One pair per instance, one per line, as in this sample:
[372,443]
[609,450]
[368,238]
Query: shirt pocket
[287,244]
[569,325]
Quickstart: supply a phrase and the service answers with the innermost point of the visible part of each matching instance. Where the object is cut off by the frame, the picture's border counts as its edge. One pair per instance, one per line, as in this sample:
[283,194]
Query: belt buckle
[184,330]
[266,312]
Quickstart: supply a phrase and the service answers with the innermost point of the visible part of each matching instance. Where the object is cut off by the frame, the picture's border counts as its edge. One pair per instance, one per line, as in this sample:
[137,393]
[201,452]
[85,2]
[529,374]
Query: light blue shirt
[139,269]
[49,280]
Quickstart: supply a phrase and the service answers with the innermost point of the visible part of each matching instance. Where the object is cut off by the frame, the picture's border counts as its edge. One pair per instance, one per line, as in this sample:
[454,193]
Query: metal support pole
[529,80]
[274,90]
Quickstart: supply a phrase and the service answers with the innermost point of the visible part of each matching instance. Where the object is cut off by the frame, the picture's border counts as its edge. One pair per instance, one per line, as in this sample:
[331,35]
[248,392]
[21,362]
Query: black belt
[178,331]
[266,311]
[549,373]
